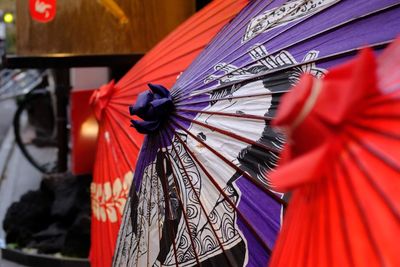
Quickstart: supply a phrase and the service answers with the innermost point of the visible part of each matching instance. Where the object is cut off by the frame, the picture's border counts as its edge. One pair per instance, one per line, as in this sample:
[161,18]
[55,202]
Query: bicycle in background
[34,119]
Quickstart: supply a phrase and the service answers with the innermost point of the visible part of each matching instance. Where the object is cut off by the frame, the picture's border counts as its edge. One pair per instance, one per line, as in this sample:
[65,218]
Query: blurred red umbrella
[343,165]
[117,147]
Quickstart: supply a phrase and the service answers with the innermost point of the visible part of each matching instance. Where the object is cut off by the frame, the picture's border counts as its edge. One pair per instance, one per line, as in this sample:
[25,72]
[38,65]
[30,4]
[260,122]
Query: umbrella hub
[100,98]
[154,107]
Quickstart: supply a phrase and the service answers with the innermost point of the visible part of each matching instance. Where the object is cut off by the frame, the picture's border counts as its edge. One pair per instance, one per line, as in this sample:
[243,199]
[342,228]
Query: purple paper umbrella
[201,194]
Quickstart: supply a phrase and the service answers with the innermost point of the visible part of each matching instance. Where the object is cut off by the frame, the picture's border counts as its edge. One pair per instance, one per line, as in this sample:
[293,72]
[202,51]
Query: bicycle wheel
[34,128]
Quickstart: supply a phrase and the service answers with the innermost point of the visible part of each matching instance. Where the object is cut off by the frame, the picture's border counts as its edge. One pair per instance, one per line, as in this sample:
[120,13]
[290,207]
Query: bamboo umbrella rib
[327,207]
[376,116]
[179,103]
[348,203]
[368,176]
[107,174]
[235,115]
[307,235]
[183,208]
[389,162]
[246,222]
[158,203]
[123,128]
[232,165]
[123,231]
[174,175]
[282,69]
[292,214]
[139,225]
[198,198]
[386,99]
[361,211]
[331,29]
[232,33]
[224,41]
[370,129]
[137,87]
[99,150]
[114,170]
[149,210]
[124,114]
[121,150]
[316,230]
[171,230]
[230,134]
[345,231]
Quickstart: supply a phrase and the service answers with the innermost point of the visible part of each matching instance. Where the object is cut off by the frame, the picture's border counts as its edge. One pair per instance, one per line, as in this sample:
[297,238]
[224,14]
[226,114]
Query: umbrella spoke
[285,241]
[182,103]
[395,117]
[196,194]
[124,113]
[149,211]
[266,74]
[237,29]
[364,170]
[359,206]
[202,206]
[230,134]
[123,128]
[138,219]
[225,41]
[232,165]
[326,235]
[140,88]
[158,203]
[186,220]
[235,115]
[338,198]
[371,129]
[121,150]
[102,212]
[376,153]
[123,231]
[391,98]
[217,186]
[327,30]
[171,230]
[310,233]
[168,216]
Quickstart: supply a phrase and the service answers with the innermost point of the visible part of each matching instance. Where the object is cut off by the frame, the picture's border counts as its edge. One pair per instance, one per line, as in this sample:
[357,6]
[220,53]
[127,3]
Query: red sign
[42,10]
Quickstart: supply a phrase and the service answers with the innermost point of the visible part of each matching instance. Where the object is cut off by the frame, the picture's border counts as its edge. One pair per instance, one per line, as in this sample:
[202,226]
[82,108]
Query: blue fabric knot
[153,107]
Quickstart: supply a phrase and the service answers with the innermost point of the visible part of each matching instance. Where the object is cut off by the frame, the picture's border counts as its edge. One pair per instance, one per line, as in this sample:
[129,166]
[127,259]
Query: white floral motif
[108,200]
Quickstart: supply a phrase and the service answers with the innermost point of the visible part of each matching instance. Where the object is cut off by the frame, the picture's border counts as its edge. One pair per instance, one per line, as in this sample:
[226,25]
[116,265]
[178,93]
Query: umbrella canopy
[343,166]
[201,191]
[117,147]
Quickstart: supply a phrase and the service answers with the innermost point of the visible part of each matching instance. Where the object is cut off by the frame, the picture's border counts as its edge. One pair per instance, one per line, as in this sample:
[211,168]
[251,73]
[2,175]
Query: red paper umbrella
[118,146]
[342,162]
